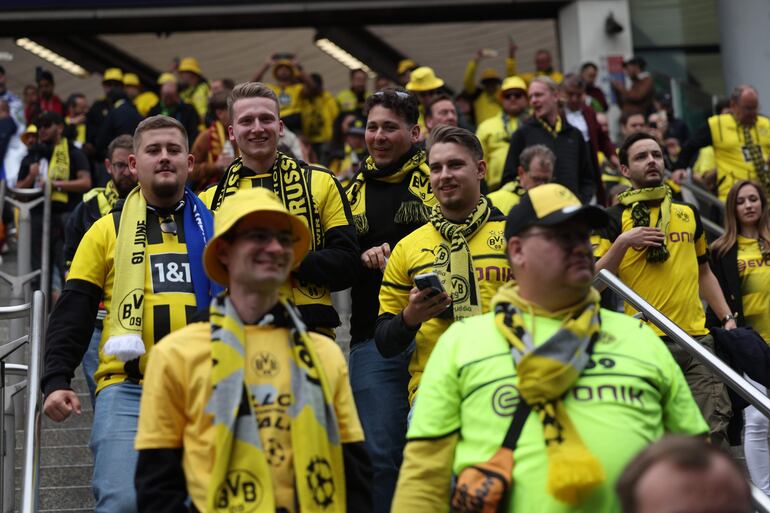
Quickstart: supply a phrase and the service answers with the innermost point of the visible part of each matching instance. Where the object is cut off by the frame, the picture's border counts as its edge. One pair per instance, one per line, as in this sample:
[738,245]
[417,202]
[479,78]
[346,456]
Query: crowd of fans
[468,229]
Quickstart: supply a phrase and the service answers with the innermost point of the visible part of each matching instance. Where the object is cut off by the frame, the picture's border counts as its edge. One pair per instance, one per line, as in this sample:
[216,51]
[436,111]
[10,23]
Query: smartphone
[429,281]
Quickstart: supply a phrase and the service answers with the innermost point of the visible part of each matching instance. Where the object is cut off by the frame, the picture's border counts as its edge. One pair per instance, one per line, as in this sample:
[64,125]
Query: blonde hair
[249,90]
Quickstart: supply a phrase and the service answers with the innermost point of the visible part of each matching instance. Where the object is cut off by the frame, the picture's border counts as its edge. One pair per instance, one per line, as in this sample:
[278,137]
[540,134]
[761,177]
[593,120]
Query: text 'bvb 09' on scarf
[640,214]
[546,373]
[319,474]
[418,196]
[290,184]
[127,307]
[456,272]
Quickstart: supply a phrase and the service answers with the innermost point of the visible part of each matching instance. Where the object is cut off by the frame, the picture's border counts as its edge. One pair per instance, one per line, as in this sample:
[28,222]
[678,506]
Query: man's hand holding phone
[427,300]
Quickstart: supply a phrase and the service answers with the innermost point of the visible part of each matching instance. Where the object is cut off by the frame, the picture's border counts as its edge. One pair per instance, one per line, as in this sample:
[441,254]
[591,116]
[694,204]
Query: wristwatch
[727,318]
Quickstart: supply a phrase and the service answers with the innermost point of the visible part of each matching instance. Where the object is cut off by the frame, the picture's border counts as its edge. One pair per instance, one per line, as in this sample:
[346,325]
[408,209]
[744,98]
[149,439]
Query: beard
[124,186]
[165,189]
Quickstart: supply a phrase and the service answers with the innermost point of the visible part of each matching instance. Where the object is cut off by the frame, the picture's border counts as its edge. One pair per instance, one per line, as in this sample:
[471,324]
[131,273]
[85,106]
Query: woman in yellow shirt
[741,261]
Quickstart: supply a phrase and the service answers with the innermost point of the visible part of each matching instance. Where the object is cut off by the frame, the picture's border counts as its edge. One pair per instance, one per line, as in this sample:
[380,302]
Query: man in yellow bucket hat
[426,86]
[252,367]
[143,100]
[193,88]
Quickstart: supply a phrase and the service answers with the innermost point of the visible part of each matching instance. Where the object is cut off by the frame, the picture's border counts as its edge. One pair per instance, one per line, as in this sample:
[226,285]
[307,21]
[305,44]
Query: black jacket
[725,268]
[182,112]
[573,167]
[122,119]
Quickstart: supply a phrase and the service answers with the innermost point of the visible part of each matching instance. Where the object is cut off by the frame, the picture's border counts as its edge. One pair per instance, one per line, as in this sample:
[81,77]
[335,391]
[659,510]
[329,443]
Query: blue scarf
[197,215]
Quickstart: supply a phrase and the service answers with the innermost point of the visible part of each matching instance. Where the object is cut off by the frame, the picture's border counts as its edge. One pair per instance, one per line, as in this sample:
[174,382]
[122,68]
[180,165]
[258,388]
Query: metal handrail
[731,378]
[712,227]
[31,460]
[703,195]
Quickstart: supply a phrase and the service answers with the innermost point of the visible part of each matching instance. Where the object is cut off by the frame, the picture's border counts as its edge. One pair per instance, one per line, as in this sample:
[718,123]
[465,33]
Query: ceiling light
[342,56]
[52,57]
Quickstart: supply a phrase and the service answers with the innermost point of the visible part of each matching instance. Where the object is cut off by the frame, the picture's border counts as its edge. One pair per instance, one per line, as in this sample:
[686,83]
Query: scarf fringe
[572,473]
[362,224]
[124,347]
[412,212]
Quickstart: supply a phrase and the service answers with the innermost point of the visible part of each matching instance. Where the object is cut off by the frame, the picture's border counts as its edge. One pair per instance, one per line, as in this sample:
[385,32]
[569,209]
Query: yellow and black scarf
[546,372]
[291,183]
[418,197]
[640,214]
[106,197]
[514,187]
[553,130]
[240,456]
[59,169]
[457,273]
[757,159]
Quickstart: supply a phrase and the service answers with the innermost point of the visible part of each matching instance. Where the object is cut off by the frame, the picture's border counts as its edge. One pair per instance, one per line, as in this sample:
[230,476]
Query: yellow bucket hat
[244,203]
[405,65]
[131,79]
[112,75]
[166,77]
[189,64]
[423,79]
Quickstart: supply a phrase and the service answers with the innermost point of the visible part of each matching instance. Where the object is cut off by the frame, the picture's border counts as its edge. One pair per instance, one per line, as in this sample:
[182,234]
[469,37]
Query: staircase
[65,459]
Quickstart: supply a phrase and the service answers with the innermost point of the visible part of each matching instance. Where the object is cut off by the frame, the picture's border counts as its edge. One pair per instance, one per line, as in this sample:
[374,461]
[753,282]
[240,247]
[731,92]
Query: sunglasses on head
[399,94]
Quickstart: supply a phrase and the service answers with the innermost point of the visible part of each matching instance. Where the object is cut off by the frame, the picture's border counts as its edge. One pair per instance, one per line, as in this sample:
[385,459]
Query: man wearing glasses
[145,260]
[295,443]
[535,168]
[495,132]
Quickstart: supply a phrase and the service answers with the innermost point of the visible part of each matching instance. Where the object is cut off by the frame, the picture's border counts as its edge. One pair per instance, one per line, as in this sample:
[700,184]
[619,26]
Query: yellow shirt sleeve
[425,478]
[469,79]
[396,284]
[337,373]
[333,207]
[93,257]
[162,416]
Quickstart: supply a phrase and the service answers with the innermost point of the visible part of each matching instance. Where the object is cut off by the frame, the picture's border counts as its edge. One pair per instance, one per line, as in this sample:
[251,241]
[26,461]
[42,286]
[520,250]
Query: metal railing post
[31,457]
[45,260]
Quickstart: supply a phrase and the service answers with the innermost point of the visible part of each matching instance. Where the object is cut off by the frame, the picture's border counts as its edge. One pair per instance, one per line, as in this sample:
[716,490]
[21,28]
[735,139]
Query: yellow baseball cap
[550,204]
[112,75]
[423,79]
[514,82]
[245,203]
[131,79]
[166,77]
[30,131]
[283,62]
[189,64]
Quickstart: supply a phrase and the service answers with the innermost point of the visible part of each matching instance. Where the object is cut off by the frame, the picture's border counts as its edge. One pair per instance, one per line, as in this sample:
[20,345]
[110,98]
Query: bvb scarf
[456,273]
[106,197]
[291,183]
[757,160]
[417,199]
[640,214]
[127,309]
[59,169]
[514,187]
[545,373]
[553,130]
[240,456]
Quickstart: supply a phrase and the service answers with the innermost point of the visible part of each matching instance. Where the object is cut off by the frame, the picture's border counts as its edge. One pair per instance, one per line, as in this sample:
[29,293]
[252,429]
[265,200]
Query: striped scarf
[546,373]
[291,183]
[456,273]
[240,460]
[757,159]
[640,214]
[418,197]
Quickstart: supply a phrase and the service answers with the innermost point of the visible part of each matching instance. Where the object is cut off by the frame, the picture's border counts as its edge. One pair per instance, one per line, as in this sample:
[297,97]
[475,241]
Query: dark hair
[433,101]
[630,141]
[358,70]
[2,70]
[73,98]
[625,116]
[721,105]
[124,141]
[572,80]
[686,453]
[156,123]
[397,99]
[218,101]
[45,75]
[587,65]
[456,135]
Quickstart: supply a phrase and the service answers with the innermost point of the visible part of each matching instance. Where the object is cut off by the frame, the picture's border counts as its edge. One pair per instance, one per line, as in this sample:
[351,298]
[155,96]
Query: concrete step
[66,455]
[84,420]
[71,475]
[66,497]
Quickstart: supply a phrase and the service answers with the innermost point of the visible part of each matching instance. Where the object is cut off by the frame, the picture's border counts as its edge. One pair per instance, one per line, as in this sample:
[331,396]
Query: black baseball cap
[550,204]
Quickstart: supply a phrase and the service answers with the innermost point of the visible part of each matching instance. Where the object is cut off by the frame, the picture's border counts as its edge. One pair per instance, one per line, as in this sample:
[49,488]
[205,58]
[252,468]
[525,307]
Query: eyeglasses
[514,95]
[119,166]
[263,237]
[400,94]
[168,225]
